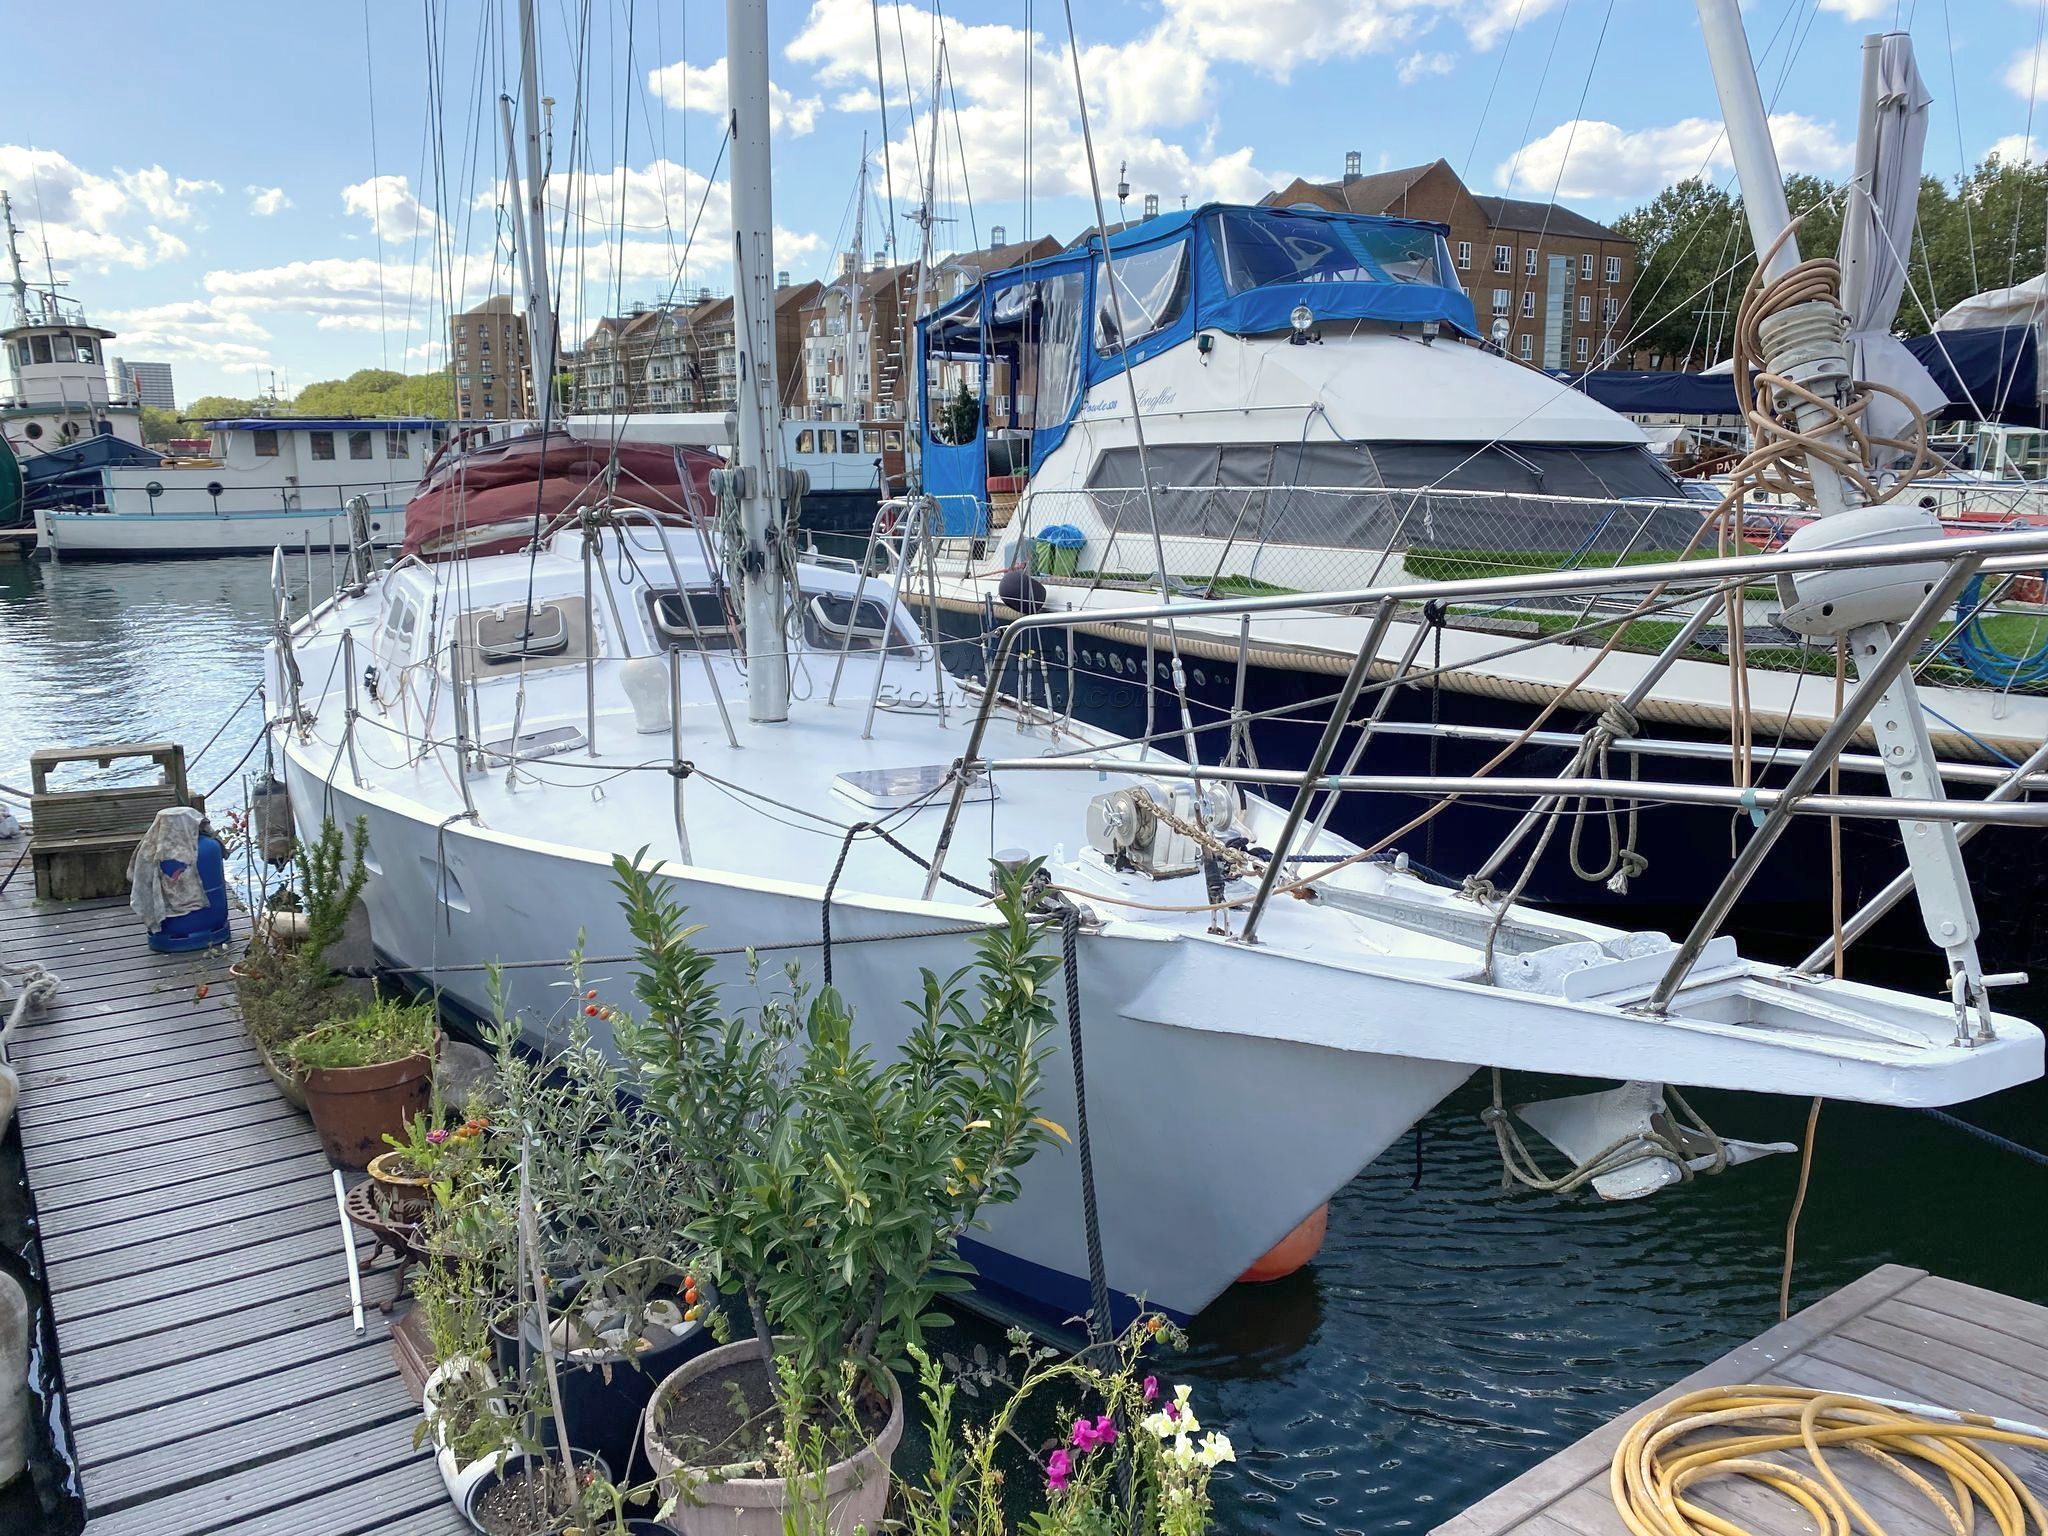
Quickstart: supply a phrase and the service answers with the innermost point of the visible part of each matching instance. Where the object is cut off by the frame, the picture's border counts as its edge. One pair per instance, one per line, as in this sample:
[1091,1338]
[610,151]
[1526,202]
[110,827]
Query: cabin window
[807,441]
[831,623]
[549,634]
[849,440]
[41,344]
[894,441]
[322,444]
[61,348]
[85,349]
[870,440]
[266,445]
[1151,292]
[703,625]
[359,445]
[396,446]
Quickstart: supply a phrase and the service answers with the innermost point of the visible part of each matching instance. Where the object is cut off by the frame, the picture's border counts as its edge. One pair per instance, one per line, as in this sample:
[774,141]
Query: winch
[1145,828]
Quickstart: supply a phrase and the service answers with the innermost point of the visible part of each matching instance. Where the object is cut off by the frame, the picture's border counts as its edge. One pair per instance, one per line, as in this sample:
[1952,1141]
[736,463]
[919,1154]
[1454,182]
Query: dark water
[1450,1335]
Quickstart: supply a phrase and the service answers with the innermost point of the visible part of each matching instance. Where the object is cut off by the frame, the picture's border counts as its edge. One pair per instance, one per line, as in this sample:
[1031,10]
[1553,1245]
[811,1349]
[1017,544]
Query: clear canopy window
[1258,250]
[1151,291]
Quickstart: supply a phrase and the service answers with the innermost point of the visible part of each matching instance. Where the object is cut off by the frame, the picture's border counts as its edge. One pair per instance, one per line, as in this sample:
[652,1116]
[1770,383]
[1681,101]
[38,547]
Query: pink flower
[1057,1470]
[435,1138]
[1151,1388]
[1105,1431]
[1173,1410]
[1084,1434]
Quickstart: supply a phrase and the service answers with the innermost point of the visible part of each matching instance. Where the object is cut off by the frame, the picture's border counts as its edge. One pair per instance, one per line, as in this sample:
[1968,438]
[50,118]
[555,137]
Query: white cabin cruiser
[270,481]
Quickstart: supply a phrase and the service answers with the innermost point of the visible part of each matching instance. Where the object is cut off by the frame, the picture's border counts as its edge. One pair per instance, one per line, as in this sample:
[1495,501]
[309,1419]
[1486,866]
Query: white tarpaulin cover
[1877,232]
[173,838]
[2022,304]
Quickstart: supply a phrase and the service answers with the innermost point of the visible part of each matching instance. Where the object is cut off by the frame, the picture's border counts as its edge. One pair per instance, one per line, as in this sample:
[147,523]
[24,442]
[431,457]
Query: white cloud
[2014,148]
[1857,10]
[701,88]
[193,328]
[1593,159]
[264,202]
[95,220]
[1156,81]
[1419,64]
[387,202]
[2027,75]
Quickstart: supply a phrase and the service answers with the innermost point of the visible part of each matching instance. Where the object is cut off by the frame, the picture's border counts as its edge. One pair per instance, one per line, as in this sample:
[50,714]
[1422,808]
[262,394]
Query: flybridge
[1033,339]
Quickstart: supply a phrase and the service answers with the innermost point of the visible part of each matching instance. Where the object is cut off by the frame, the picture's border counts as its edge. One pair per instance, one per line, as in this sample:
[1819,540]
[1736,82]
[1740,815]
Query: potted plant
[365,1075]
[623,1302]
[283,983]
[827,1190]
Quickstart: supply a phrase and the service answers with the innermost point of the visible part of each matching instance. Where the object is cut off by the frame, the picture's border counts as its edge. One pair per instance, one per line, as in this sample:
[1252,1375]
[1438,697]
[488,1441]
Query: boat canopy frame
[1237,269]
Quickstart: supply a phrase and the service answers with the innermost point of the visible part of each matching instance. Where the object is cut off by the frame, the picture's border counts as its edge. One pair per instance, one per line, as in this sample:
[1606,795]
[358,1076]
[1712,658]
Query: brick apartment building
[1558,279]
[681,357]
[487,348]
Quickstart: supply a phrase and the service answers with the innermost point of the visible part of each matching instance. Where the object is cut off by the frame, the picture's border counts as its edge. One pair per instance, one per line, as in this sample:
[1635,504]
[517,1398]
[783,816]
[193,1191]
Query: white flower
[1158,1425]
[1215,1448]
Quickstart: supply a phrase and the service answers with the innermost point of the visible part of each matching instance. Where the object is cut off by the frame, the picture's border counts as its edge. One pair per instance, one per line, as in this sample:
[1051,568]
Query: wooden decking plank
[81,1166]
[2007,1314]
[195,1069]
[291,1187]
[1932,1360]
[168,1423]
[181,1184]
[314,1420]
[55,1206]
[195,1243]
[133,1287]
[194,1338]
[73,1027]
[1547,1487]
[192,1307]
[141,1390]
[160,1116]
[190,1125]
[382,1506]
[349,1464]
[129,1048]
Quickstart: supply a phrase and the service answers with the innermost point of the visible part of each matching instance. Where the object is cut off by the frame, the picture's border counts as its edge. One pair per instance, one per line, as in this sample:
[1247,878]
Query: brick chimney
[782,278]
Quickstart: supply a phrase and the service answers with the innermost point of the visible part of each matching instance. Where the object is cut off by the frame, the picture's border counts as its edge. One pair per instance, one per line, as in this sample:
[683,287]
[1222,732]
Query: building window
[266,445]
[1614,269]
[1579,349]
[1585,307]
[1524,346]
[323,444]
[1529,261]
[1503,258]
[1500,301]
[1464,255]
[1528,306]
[359,445]
[397,446]
[1586,266]
[1610,309]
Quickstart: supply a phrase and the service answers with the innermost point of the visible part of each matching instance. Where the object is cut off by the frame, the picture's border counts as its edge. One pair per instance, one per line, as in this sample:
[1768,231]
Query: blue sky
[222,194]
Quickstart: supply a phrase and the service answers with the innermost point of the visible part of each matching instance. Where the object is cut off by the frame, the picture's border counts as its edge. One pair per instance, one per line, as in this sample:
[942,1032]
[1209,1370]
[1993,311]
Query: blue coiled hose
[1989,662]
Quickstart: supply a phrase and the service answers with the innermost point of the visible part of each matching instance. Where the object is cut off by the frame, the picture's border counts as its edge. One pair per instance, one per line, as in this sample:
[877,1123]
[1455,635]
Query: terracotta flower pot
[395,1184]
[856,1489]
[355,1108]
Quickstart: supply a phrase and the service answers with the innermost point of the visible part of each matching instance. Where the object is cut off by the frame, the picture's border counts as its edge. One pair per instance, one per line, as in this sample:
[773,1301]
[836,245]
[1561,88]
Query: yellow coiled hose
[1727,1431]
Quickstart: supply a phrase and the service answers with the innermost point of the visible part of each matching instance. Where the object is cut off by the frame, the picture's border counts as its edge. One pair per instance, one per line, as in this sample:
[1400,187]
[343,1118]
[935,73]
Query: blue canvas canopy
[1220,267]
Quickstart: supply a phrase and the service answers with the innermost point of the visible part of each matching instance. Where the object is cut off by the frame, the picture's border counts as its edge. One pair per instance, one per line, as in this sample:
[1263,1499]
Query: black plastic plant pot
[517,1463]
[601,1398]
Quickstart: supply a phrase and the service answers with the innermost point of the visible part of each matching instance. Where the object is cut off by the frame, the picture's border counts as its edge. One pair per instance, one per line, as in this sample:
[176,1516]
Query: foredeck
[1899,1333]
[214,1378]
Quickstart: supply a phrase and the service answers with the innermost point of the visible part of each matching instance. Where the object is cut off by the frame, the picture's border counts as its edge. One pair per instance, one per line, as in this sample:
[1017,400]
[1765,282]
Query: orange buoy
[1292,1251]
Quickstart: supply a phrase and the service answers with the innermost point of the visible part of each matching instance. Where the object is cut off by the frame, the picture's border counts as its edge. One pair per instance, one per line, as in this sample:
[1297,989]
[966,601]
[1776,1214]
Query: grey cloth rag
[173,837]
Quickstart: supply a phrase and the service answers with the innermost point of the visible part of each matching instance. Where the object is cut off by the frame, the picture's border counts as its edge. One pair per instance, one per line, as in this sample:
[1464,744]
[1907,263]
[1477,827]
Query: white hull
[120,535]
[1209,1146]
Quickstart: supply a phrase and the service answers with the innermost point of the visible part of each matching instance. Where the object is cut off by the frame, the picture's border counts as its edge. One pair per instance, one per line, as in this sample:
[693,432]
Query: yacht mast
[753,313]
[853,278]
[540,312]
[1806,348]
[19,283]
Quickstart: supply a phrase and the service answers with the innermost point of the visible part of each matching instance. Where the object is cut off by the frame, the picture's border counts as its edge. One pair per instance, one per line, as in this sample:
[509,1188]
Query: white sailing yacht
[1265,1011]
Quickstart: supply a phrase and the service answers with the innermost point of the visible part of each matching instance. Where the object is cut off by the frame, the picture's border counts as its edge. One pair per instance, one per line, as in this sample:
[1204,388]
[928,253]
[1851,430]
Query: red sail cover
[483,501]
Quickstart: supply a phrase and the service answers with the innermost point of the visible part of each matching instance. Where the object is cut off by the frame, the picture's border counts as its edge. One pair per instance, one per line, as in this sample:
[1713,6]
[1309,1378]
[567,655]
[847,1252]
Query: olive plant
[828,1185]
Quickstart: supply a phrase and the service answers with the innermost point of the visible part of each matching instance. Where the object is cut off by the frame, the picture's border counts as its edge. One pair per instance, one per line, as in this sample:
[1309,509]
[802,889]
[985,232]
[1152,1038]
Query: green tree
[218,407]
[160,426]
[1690,241]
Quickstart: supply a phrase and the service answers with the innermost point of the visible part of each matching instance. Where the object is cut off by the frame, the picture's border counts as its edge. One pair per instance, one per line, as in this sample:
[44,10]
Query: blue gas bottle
[205,927]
